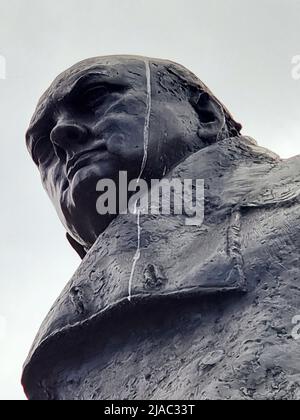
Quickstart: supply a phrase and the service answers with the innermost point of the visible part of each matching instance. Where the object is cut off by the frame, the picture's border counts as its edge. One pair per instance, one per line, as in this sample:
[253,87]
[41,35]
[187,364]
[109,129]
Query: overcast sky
[242,49]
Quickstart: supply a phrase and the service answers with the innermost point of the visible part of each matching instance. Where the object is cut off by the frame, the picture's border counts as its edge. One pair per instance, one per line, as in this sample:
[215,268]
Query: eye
[96,95]
[92,98]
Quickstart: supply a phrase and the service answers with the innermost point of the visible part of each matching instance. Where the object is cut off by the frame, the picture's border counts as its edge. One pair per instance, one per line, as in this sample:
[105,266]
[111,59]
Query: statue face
[90,125]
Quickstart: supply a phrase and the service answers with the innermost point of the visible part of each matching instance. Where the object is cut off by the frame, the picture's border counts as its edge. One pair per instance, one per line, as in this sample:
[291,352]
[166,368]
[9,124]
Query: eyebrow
[85,82]
[93,80]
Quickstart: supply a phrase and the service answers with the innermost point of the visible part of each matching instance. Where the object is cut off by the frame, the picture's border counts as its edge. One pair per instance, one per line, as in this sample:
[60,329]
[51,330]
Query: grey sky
[242,49]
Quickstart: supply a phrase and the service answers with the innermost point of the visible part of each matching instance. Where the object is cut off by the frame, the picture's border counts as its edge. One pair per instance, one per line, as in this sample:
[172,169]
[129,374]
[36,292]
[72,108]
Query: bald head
[90,125]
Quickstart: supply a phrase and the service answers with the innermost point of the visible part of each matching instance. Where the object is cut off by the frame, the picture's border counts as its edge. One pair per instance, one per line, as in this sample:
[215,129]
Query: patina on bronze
[210,306]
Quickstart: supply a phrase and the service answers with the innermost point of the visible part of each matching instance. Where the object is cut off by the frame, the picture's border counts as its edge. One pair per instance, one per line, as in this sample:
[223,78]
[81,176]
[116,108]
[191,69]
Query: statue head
[92,121]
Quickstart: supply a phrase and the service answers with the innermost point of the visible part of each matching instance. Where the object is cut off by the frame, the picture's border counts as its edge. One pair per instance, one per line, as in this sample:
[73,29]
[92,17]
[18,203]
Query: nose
[68,135]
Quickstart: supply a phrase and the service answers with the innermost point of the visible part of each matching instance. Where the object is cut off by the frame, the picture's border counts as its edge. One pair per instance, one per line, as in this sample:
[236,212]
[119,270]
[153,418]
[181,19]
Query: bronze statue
[160,309]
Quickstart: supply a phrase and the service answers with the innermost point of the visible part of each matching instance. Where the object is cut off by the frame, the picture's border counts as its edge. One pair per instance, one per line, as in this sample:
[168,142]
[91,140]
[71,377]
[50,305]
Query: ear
[75,245]
[211,117]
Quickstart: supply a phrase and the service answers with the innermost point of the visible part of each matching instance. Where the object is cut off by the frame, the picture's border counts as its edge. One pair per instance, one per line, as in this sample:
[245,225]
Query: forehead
[110,70]
[127,71]
[121,70]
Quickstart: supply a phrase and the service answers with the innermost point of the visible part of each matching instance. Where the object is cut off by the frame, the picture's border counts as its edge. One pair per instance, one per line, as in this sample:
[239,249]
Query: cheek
[123,134]
[164,127]
[174,126]
[128,146]
[55,183]
[117,143]
[180,118]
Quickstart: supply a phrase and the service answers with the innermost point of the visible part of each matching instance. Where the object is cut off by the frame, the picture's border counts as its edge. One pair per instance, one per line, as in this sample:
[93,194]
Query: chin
[86,223]
[92,227]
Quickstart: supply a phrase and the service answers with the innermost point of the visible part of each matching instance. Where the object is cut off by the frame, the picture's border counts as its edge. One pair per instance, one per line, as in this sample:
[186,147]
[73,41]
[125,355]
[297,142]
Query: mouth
[82,159]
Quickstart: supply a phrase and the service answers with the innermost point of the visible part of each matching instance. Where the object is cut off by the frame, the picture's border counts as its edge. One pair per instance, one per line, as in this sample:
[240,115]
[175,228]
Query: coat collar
[176,260]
